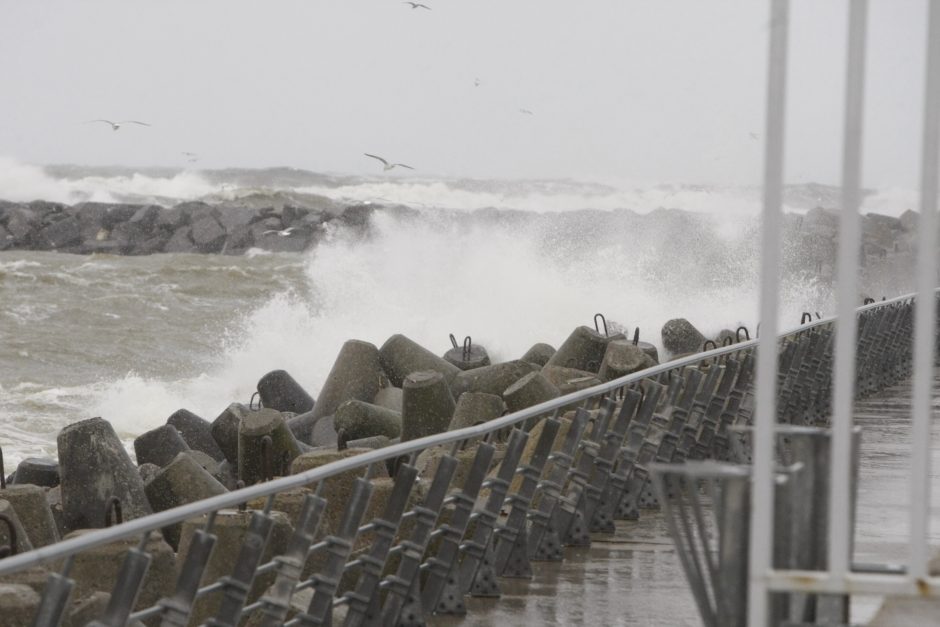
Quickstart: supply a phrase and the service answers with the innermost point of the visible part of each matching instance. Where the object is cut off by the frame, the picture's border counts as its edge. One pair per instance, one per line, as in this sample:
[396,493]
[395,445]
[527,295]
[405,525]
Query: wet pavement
[634,576]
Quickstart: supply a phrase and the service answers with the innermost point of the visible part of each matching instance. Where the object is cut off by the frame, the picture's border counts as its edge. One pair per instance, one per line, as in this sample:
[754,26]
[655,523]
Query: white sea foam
[507,285]
[21,182]
[501,285]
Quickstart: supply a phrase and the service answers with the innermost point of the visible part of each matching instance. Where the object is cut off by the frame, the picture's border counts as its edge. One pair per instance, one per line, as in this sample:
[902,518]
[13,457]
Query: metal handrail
[269,489]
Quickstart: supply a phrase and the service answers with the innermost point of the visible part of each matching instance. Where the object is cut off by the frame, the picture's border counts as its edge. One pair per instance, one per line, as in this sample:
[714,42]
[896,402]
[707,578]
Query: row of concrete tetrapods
[714,551]
[591,458]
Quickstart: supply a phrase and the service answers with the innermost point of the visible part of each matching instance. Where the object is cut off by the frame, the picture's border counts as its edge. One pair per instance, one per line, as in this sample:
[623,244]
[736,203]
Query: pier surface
[634,576]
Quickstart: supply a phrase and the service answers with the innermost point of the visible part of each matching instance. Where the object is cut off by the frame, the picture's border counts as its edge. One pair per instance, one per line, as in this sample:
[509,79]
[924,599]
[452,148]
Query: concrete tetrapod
[159,446]
[468,356]
[97,569]
[278,390]
[148,472]
[41,471]
[427,405]
[374,442]
[355,375]
[182,481]
[254,431]
[569,380]
[29,503]
[18,604]
[474,408]
[584,350]
[224,430]
[356,419]
[623,358]
[539,354]
[196,432]
[95,467]
[530,390]
[679,336]
[389,397]
[401,356]
[492,379]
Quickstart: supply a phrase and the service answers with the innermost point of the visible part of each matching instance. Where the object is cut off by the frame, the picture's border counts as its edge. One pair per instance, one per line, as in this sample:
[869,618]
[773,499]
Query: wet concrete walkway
[634,576]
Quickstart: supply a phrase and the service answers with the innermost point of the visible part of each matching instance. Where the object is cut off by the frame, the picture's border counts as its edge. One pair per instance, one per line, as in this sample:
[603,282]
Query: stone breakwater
[190,227]
[373,396]
[235,227]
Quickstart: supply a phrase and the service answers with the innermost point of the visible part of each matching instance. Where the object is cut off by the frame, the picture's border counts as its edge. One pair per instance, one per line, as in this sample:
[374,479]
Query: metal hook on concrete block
[597,326]
[113,505]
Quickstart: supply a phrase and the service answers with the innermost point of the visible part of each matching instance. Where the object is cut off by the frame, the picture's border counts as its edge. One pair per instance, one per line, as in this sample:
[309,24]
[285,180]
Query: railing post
[761,528]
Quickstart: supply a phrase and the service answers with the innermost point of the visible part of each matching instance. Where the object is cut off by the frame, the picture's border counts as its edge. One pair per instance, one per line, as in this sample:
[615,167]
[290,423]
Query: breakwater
[236,227]
[602,446]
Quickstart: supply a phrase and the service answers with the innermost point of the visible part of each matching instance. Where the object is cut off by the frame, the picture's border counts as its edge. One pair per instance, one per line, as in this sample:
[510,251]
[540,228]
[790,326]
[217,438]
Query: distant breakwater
[237,226]
[189,227]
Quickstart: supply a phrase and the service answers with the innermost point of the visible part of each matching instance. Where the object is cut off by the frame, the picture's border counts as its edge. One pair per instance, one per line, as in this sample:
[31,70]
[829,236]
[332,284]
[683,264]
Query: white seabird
[283,233]
[387,165]
[116,125]
[418,5]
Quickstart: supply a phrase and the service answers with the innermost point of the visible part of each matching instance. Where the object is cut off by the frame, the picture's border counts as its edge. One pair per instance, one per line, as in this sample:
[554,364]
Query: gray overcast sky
[654,90]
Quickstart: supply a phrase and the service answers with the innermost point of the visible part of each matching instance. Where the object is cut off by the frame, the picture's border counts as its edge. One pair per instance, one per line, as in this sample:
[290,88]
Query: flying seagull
[476,82]
[526,112]
[388,166]
[417,5]
[116,125]
[190,156]
[283,233]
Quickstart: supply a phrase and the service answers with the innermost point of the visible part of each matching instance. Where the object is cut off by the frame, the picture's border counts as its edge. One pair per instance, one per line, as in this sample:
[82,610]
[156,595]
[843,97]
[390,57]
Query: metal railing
[838,576]
[565,488]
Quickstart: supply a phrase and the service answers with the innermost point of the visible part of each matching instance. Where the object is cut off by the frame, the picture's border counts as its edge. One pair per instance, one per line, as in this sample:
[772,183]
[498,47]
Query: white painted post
[926,308]
[762,516]
[843,402]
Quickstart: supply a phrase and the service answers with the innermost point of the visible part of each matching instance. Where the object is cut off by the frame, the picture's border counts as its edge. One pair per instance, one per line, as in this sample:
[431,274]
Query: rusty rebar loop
[453,341]
[747,334]
[636,337]
[113,505]
[597,327]
[3,472]
[251,401]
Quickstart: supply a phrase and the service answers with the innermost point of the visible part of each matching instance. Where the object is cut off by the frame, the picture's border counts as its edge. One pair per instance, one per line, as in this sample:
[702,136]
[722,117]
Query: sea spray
[200,331]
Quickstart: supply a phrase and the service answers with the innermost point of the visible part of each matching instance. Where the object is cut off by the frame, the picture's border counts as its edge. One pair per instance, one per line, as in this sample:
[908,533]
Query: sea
[133,339]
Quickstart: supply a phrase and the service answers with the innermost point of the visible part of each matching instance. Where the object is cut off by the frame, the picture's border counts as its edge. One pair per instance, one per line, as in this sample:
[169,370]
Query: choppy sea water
[133,339]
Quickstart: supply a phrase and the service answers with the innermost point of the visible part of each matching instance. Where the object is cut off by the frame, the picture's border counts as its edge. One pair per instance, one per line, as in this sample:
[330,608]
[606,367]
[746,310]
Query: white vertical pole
[762,502]
[925,308]
[840,502]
